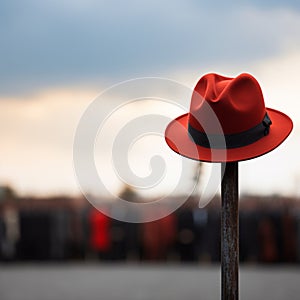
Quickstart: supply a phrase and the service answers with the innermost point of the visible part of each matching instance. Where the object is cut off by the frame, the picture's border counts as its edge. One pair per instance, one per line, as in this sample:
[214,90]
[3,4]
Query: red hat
[227,122]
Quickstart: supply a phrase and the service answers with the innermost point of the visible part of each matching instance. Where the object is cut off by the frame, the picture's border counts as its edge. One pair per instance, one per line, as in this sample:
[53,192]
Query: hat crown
[236,103]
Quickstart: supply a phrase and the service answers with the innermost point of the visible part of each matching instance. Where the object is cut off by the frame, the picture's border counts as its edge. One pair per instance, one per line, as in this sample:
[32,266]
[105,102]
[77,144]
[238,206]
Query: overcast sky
[57,56]
[53,43]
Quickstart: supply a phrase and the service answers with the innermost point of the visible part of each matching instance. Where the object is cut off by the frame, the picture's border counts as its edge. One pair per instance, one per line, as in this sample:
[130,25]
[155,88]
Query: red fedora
[227,122]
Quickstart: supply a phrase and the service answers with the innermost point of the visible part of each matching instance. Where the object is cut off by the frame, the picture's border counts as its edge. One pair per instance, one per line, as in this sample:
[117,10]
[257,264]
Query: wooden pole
[230,232]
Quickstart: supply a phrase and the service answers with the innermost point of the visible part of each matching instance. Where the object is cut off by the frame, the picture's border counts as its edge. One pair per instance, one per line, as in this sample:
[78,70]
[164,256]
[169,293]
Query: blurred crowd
[65,228]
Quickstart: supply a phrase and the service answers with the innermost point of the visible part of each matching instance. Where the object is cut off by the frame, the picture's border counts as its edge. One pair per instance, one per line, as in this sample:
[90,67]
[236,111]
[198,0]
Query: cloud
[37,138]
[54,55]
[61,43]
[37,134]
[278,171]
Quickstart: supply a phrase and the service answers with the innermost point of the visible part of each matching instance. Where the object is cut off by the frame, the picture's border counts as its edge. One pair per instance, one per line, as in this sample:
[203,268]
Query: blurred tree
[196,178]
[129,194]
[7,194]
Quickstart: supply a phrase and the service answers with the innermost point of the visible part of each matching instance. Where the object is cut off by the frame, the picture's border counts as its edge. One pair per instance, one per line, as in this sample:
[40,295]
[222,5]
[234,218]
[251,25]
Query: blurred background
[55,59]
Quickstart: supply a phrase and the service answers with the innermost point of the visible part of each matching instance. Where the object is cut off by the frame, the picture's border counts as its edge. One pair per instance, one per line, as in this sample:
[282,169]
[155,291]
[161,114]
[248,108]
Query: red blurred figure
[267,236]
[100,240]
[158,237]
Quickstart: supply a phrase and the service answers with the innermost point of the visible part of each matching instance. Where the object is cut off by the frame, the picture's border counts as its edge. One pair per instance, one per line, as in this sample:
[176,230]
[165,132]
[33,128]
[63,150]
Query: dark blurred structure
[65,228]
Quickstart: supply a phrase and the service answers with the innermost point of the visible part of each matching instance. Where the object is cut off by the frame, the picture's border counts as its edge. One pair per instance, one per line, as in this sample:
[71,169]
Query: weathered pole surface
[230,232]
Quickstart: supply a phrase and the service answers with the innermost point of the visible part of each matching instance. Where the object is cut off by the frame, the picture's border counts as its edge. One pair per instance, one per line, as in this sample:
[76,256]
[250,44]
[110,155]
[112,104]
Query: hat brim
[178,139]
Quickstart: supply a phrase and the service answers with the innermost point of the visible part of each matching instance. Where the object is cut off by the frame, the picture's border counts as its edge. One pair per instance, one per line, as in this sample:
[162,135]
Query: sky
[57,57]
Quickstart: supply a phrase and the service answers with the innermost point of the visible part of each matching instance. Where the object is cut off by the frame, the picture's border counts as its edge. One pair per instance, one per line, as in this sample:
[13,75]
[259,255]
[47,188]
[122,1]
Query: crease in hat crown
[232,108]
[237,103]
